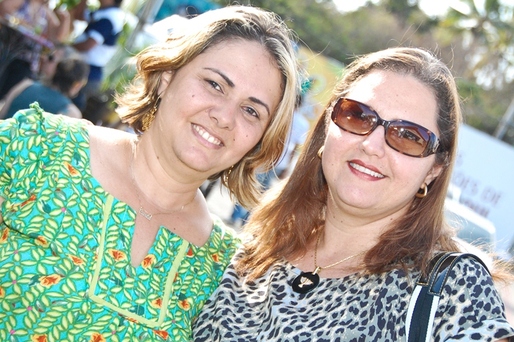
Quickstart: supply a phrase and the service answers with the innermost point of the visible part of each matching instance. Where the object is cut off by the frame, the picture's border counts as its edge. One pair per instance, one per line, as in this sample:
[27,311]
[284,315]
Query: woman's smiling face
[215,109]
[363,172]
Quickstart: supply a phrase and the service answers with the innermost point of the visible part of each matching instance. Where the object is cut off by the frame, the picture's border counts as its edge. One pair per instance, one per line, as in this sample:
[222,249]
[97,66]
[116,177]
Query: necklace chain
[318,269]
[146,214]
[307,281]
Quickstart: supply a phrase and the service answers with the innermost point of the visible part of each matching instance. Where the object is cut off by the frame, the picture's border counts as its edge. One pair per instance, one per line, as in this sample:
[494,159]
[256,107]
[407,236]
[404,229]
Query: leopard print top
[354,308]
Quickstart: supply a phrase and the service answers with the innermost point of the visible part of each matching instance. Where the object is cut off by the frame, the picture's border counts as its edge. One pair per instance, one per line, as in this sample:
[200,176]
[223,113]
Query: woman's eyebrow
[225,77]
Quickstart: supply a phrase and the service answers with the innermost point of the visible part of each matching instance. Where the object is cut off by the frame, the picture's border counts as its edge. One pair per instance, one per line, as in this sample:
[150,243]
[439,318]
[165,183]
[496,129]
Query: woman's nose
[224,116]
[374,143]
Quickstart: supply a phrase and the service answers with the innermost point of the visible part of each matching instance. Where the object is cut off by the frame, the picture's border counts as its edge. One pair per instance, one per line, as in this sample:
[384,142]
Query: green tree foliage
[343,35]
[486,33]
[485,37]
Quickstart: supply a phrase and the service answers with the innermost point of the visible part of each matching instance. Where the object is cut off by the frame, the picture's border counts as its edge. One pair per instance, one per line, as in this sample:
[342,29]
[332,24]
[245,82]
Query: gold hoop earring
[148,118]
[320,151]
[423,191]
[226,174]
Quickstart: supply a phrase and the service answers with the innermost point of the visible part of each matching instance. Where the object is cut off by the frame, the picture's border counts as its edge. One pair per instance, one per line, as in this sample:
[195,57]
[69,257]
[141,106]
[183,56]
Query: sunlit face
[215,109]
[363,172]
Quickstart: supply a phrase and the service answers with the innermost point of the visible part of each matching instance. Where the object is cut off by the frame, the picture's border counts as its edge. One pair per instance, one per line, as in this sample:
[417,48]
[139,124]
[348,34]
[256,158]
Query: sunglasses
[403,136]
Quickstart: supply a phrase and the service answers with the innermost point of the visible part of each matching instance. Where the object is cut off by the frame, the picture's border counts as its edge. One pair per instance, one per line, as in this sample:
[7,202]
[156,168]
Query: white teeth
[207,136]
[366,171]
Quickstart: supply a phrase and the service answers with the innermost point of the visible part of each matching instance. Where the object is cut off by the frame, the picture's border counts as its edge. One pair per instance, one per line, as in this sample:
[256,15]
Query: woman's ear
[166,78]
[433,173]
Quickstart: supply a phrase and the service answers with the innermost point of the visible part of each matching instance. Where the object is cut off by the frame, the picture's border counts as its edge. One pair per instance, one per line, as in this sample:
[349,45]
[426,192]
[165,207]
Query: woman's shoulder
[110,155]
[469,292]
[469,271]
[106,136]
[464,266]
[108,143]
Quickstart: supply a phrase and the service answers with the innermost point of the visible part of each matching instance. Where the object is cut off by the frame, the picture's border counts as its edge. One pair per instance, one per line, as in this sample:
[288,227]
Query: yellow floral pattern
[50,241]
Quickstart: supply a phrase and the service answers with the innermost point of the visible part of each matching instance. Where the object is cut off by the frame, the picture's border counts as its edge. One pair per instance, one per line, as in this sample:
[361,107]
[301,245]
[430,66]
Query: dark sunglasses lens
[407,138]
[353,117]
[403,136]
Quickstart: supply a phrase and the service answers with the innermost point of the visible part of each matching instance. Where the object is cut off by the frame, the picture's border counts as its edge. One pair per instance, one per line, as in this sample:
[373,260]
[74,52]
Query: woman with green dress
[104,234]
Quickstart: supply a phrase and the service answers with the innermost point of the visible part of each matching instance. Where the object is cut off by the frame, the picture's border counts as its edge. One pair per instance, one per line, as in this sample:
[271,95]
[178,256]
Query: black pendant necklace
[307,281]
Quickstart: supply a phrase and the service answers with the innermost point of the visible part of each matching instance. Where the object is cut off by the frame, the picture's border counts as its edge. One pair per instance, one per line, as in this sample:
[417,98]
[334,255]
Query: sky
[430,7]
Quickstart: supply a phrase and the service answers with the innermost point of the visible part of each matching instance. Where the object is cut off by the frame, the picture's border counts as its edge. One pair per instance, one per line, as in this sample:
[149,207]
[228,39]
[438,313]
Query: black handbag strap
[425,297]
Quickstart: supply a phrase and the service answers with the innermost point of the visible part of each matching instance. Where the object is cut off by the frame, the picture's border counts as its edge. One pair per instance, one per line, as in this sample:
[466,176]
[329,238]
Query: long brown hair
[194,37]
[292,215]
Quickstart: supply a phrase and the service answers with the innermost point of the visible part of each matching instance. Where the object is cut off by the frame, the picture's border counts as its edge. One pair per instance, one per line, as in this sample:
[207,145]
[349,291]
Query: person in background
[48,62]
[97,43]
[53,96]
[52,26]
[110,228]
[9,7]
[334,254]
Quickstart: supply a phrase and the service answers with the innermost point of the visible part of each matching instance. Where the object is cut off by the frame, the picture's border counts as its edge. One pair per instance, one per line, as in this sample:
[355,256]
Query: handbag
[425,297]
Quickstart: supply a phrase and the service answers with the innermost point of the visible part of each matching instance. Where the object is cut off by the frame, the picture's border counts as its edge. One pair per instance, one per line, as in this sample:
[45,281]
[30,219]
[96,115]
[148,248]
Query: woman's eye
[251,111]
[215,85]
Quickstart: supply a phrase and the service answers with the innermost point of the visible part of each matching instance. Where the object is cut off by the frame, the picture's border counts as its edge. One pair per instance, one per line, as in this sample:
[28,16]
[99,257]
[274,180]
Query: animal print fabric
[353,308]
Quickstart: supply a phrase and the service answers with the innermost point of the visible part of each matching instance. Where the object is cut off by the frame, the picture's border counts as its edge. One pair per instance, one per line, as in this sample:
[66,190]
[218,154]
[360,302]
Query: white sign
[484,172]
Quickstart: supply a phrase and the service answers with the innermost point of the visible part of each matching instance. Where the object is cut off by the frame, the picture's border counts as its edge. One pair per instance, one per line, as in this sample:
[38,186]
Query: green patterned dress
[65,273]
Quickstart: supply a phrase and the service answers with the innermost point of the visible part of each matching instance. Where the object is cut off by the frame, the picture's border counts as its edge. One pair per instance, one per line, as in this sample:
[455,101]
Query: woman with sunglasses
[334,253]
[105,235]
